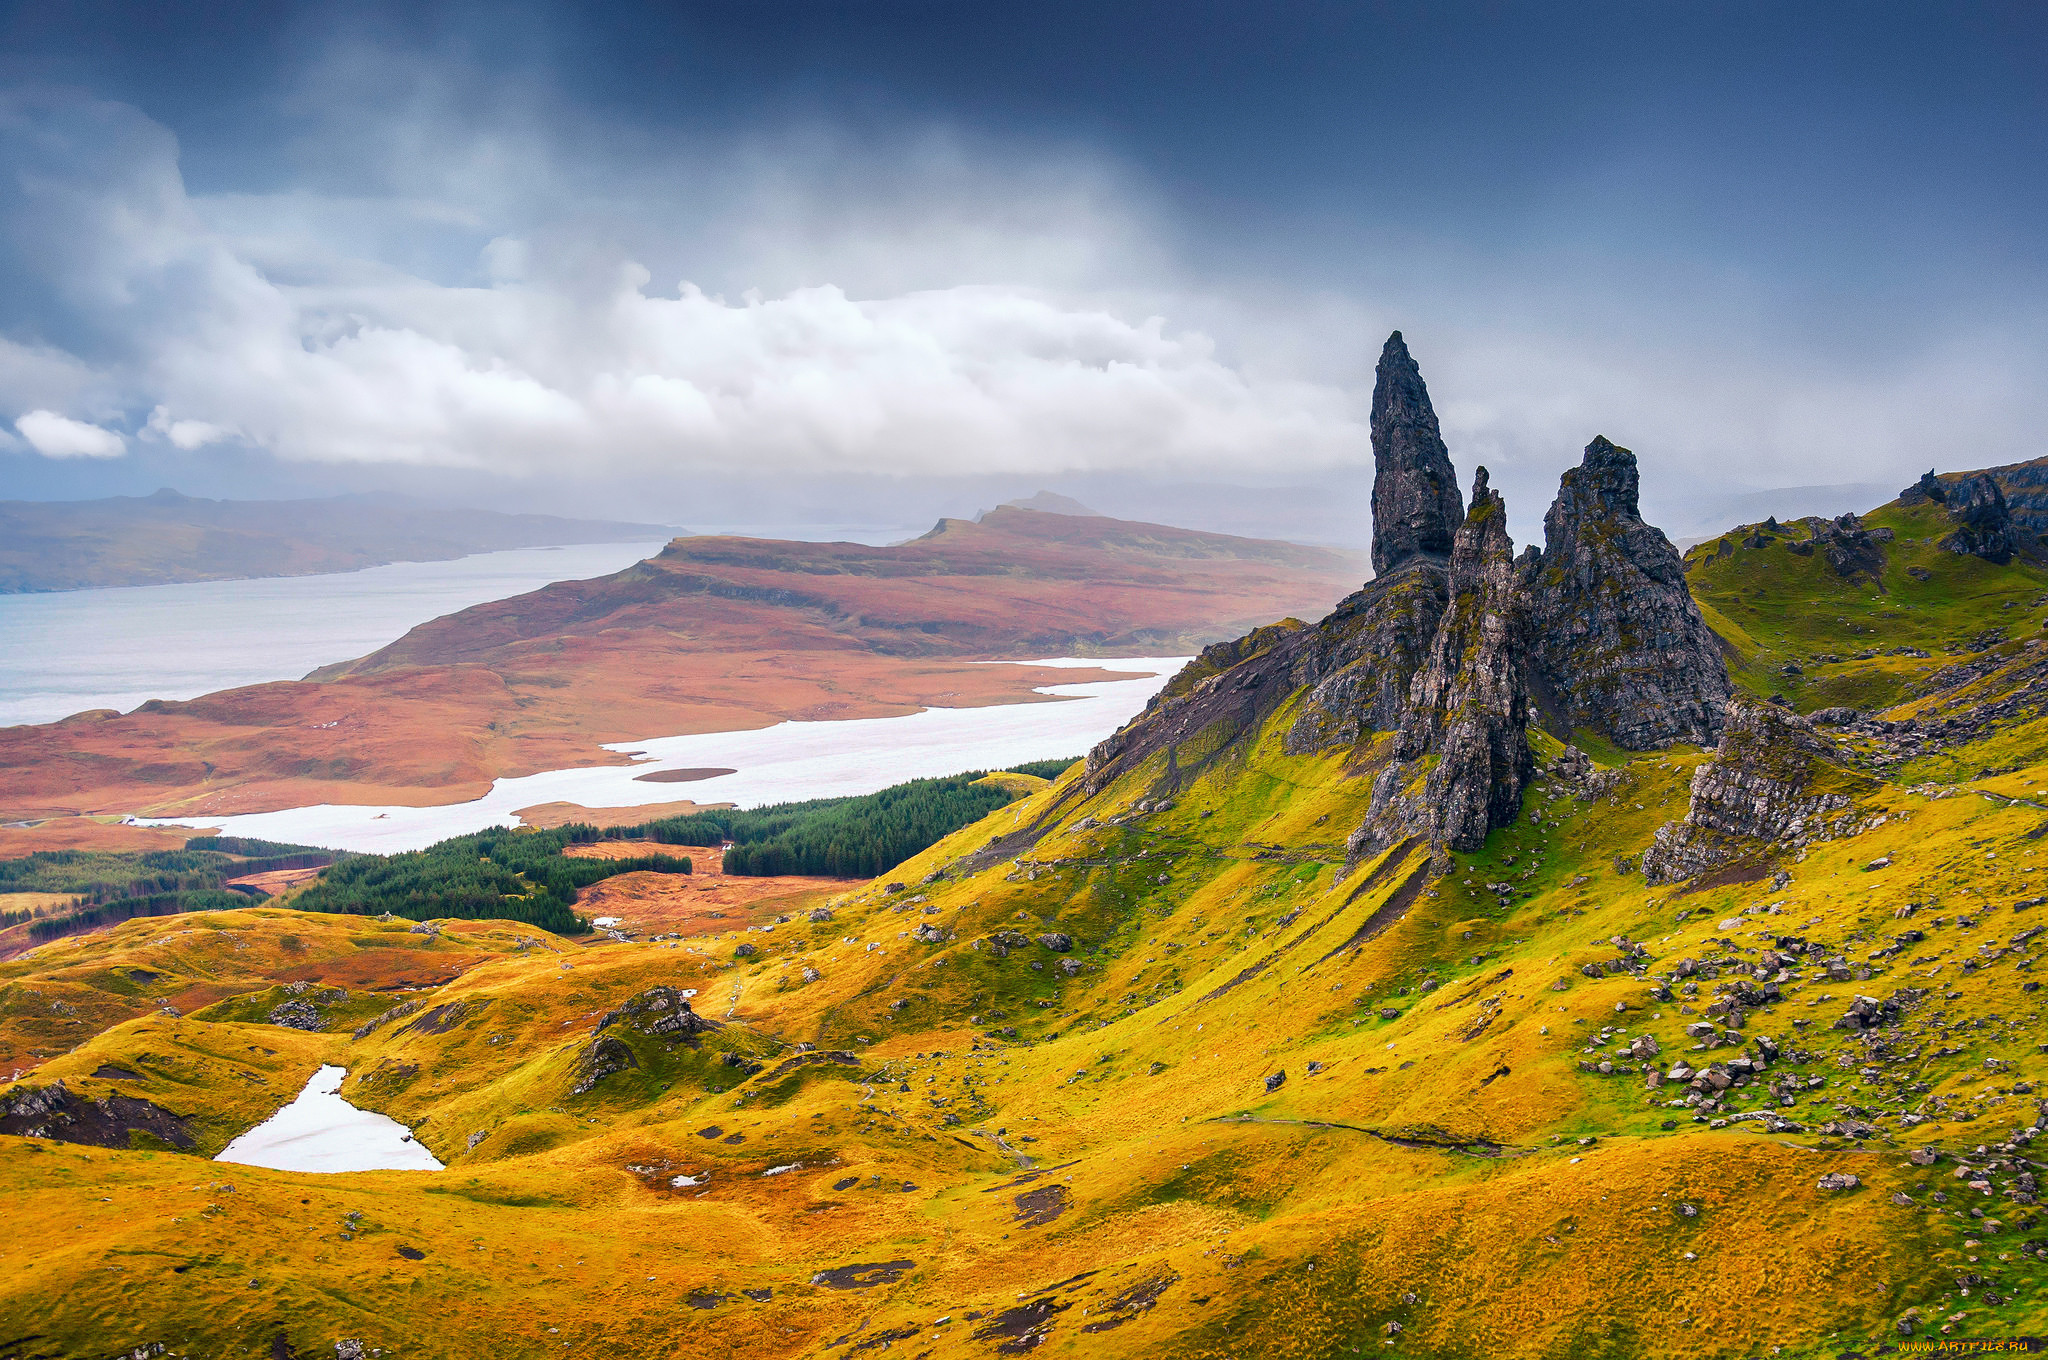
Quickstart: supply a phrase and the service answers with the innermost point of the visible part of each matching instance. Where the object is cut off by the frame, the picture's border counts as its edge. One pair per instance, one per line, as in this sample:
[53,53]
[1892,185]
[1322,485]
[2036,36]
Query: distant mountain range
[151,540]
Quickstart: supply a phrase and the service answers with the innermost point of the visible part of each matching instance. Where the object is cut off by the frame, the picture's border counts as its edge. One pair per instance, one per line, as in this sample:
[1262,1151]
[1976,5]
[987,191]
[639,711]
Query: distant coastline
[167,538]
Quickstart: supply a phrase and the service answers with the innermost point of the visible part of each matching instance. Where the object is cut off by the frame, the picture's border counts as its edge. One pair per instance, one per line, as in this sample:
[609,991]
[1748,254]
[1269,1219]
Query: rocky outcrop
[604,1056]
[1844,543]
[658,1012]
[1984,526]
[1928,488]
[1460,757]
[1364,657]
[1357,664]
[1415,506]
[1774,783]
[53,1112]
[1617,644]
[1468,705]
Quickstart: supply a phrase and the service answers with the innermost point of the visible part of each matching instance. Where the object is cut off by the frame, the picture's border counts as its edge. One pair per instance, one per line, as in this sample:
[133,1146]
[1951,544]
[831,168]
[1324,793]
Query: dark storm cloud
[1763,245]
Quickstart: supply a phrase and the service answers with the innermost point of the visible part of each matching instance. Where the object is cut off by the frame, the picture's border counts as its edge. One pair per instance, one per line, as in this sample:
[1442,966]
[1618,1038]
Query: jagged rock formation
[1616,641]
[1468,705]
[1928,488]
[1845,545]
[658,1011]
[1984,526]
[1774,783]
[54,1113]
[1357,663]
[1429,651]
[1365,656]
[1415,506]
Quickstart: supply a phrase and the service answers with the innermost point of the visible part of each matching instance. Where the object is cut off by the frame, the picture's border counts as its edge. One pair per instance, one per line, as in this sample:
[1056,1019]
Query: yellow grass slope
[1121,1074]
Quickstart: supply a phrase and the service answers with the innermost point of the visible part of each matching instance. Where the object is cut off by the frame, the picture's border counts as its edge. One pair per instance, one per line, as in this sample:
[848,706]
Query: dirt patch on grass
[863,1276]
[1036,1208]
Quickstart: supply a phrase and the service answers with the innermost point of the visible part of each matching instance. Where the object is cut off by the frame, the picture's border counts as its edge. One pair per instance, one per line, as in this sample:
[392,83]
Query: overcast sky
[611,257]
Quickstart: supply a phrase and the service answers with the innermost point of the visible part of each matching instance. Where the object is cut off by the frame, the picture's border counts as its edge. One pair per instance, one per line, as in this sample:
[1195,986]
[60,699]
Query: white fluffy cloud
[183,434]
[580,365]
[55,436]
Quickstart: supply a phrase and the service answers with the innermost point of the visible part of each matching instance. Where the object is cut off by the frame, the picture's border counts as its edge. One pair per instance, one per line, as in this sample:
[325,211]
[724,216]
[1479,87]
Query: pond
[320,1131]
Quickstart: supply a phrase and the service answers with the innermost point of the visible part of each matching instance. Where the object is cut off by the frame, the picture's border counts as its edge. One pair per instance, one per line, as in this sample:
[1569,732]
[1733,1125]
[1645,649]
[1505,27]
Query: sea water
[67,651]
[783,763]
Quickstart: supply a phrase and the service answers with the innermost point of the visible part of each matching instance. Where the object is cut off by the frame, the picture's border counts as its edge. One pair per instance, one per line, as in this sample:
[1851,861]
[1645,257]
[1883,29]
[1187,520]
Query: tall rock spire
[1618,643]
[1415,504]
[1469,703]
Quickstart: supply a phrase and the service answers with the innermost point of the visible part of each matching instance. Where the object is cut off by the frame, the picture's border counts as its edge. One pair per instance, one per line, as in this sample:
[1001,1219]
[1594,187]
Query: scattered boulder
[1277,1080]
[1839,1180]
[1057,941]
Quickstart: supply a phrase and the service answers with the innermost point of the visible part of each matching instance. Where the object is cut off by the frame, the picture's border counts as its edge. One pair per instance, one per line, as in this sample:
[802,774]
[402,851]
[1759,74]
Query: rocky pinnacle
[1617,642]
[1415,505]
[1469,704]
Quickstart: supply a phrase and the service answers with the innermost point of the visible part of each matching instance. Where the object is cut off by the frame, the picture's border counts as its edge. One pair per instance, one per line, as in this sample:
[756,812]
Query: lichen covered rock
[1774,783]
[1468,705]
[1984,526]
[1617,644]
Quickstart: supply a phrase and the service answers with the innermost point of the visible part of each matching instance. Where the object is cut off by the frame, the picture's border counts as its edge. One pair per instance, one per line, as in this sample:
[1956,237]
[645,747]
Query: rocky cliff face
[1424,674]
[1773,783]
[1468,705]
[1984,526]
[1364,657]
[1415,505]
[1617,643]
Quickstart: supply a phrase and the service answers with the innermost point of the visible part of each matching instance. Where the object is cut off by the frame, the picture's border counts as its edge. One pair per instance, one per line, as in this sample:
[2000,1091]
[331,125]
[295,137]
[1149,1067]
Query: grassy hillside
[1147,1071]
[1865,640]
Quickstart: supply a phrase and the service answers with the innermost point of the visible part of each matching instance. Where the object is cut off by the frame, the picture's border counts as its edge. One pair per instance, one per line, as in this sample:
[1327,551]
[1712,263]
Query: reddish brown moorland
[712,634]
